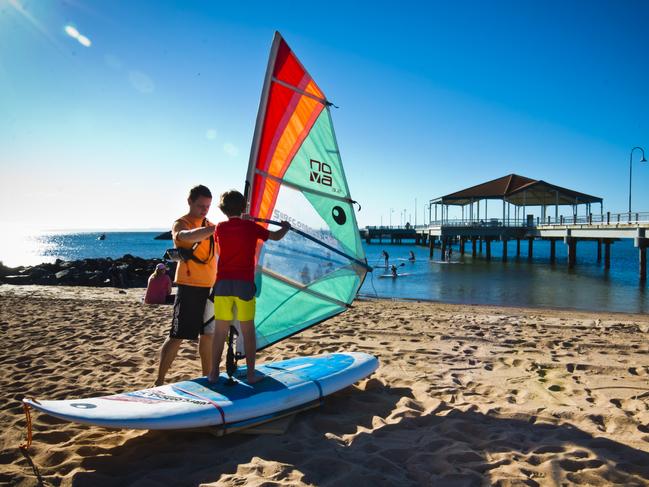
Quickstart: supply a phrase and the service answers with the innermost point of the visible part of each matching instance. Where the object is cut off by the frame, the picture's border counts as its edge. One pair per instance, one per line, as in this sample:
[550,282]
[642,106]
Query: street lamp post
[391,210]
[631,173]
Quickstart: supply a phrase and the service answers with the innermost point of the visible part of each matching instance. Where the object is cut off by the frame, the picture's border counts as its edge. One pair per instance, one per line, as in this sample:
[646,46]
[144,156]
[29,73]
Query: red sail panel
[289,116]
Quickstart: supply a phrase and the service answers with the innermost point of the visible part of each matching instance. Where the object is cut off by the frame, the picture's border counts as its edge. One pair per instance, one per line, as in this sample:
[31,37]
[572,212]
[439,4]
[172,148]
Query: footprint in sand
[598,419]
[638,371]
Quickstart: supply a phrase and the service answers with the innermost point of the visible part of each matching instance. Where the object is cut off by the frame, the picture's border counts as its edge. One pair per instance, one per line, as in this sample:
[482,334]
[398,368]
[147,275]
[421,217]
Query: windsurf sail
[296,174]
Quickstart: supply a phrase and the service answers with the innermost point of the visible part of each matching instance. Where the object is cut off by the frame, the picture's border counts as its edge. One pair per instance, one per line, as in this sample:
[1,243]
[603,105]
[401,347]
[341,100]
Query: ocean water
[518,282]
[32,249]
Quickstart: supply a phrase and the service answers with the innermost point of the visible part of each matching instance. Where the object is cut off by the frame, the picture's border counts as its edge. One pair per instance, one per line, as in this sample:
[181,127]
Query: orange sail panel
[289,117]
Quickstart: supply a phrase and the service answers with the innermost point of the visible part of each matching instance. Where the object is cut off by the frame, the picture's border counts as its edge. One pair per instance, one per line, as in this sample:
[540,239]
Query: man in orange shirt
[193,236]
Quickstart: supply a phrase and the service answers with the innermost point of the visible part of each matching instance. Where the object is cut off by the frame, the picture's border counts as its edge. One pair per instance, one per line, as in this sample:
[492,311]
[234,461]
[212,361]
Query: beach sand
[464,395]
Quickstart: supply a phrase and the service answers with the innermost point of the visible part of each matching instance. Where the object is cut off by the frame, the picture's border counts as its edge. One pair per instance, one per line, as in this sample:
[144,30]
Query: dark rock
[164,236]
[127,271]
[9,271]
[37,272]
[45,279]
[17,279]
[62,274]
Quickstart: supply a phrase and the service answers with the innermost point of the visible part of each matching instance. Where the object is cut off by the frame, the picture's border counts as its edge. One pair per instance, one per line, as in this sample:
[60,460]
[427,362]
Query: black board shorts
[188,321]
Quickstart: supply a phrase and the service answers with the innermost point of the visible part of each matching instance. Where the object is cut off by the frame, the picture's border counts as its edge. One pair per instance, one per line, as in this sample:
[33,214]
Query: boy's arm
[279,234]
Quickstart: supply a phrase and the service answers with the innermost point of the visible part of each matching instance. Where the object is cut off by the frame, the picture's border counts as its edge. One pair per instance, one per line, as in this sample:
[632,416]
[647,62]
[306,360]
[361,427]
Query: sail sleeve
[296,174]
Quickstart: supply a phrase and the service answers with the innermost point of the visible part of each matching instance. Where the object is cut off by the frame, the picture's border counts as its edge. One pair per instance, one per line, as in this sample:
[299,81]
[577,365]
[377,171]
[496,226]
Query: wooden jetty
[518,193]
[604,231]
[568,233]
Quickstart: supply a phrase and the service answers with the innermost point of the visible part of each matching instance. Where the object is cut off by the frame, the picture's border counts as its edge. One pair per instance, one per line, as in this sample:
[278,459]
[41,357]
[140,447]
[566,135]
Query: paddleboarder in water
[411,256]
[386,258]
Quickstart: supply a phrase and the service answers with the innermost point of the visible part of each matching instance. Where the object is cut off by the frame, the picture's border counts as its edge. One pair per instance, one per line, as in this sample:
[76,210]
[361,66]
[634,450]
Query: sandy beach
[464,395]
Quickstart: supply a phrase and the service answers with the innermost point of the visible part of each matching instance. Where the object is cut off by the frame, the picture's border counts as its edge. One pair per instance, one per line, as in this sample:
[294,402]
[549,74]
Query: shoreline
[464,395]
[77,291]
[497,306]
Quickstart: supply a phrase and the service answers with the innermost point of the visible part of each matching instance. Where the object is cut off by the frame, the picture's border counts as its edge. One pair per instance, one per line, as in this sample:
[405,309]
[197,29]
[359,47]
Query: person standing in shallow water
[193,235]
[386,258]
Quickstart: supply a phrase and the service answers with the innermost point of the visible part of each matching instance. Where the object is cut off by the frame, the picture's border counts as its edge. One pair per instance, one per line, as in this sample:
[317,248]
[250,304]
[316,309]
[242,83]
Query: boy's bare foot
[213,377]
[255,378]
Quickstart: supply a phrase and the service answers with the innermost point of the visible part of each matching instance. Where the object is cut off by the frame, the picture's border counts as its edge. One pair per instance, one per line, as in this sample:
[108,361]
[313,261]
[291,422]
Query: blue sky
[434,97]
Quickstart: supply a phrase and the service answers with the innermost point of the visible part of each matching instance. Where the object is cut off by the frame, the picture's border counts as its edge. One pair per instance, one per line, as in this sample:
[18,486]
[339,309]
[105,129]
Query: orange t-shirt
[190,272]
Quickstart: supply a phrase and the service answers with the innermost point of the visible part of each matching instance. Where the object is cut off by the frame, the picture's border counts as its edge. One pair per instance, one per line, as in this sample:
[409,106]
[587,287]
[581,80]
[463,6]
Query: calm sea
[518,282]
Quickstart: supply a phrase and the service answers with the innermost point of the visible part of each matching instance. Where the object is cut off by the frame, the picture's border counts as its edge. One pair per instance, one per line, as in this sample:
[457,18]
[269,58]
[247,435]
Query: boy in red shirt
[235,278]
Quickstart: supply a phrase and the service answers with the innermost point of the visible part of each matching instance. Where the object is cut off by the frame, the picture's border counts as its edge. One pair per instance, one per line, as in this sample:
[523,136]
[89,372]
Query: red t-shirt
[237,241]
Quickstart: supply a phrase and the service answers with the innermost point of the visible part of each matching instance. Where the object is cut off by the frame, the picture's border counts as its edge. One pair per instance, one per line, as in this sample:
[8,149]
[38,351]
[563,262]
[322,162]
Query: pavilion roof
[518,190]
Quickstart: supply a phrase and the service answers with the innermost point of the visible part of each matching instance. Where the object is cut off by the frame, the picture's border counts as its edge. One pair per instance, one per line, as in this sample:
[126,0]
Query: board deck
[398,275]
[288,386]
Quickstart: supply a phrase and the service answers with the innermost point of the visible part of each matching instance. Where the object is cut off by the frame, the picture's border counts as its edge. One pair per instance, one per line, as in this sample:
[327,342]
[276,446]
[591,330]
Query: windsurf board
[288,385]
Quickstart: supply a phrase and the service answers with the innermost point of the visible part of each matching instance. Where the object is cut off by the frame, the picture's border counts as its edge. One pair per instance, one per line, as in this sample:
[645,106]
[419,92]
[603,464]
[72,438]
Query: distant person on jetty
[386,258]
[158,289]
[235,279]
[411,256]
[193,236]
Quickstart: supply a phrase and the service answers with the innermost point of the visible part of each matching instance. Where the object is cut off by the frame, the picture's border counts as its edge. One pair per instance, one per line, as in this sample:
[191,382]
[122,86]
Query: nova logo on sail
[320,173]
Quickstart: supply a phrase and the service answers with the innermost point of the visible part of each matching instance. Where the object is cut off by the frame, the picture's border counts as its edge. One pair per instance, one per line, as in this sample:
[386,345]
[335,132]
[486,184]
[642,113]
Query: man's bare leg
[168,353]
[205,352]
[250,344]
[221,329]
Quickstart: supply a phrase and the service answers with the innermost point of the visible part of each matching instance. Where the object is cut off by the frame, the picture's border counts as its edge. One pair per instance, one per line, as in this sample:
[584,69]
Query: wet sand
[464,395]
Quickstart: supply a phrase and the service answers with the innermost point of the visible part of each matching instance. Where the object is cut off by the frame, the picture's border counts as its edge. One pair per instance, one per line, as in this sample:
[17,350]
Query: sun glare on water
[26,248]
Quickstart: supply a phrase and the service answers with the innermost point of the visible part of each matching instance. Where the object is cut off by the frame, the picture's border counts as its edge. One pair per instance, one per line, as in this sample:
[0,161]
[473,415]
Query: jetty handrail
[393,227]
[607,218]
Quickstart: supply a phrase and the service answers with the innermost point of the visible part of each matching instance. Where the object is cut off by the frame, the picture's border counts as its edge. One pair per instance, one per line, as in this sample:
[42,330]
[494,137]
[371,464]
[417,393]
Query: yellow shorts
[224,307]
